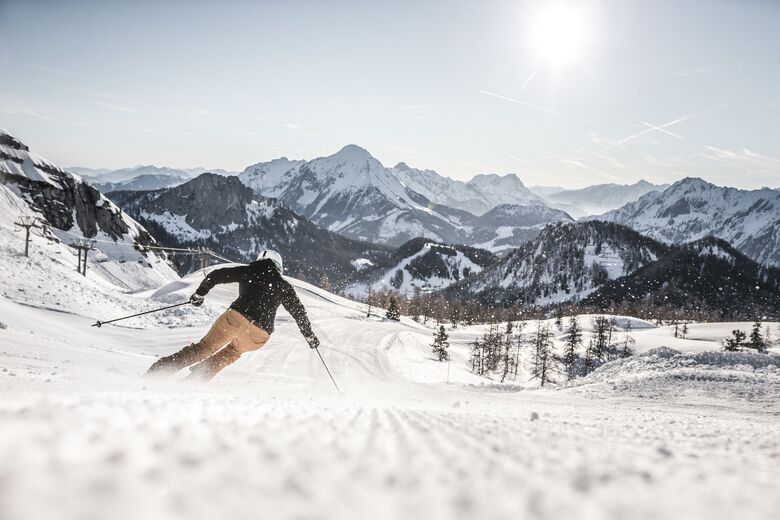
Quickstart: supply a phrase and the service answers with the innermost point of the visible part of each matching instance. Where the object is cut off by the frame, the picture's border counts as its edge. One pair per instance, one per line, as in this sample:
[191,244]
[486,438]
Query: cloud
[292,126]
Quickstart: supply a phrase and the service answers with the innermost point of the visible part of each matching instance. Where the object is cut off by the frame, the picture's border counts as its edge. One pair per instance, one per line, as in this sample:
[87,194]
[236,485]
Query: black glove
[196,300]
[312,341]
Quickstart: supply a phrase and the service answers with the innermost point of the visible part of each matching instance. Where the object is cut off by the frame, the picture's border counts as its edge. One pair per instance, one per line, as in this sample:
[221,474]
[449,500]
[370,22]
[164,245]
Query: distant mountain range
[353,194]
[691,209]
[125,174]
[348,221]
[609,266]
[597,199]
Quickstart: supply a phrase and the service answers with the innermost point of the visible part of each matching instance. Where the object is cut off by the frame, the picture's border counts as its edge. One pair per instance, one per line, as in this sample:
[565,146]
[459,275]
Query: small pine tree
[559,318]
[543,354]
[757,341]
[603,349]
[476,357]
[735,342]
[590,358]
[441,344]
[393,311]
[572,339]
[628,340]
[508,358]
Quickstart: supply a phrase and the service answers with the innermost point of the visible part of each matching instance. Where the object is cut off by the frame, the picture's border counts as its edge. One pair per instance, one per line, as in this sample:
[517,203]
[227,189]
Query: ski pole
[99,323]
[328,371]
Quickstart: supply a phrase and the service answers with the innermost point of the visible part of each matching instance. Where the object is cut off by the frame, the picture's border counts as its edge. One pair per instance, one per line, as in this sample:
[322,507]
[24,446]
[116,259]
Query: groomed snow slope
[82,436]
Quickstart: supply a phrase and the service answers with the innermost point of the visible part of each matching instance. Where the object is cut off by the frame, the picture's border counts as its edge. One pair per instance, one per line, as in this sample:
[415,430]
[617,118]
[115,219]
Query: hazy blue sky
[553,94]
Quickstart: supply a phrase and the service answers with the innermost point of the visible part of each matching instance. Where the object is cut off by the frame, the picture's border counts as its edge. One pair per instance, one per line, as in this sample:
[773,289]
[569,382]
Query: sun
[560,33]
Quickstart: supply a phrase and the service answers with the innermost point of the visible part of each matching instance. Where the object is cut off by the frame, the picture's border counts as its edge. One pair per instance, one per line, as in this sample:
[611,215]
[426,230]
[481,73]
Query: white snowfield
[82,436]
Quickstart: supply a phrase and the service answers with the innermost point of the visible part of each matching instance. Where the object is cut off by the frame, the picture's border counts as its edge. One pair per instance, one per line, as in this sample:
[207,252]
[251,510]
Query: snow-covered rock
[69,209]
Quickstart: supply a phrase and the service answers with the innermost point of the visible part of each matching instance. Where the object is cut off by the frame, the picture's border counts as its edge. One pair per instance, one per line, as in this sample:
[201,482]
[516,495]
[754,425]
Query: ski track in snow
[81,436]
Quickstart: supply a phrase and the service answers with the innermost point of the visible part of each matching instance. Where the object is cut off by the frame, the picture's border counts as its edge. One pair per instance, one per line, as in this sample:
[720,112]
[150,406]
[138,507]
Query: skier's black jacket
[260,291]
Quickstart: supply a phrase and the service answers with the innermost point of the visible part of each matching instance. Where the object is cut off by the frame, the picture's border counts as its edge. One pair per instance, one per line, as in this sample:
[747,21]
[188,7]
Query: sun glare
[561,33]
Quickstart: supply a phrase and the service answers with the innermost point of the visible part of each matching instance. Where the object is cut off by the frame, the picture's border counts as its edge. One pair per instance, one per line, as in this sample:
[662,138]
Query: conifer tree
[628,340]
[476,357]
[590,358]
[559,318]
[735,342]
[543,355]
[441,344]
[573,340]
[756,339]
[508,357]
[393,311]
[603,349]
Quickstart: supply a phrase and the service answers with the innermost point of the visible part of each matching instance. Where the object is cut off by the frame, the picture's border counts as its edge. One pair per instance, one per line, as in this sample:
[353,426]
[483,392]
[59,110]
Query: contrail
[529,105]
[663,131]
[667,125]
[526,82]
[591,168]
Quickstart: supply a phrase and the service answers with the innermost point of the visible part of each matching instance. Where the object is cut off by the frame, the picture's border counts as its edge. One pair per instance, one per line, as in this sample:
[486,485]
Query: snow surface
[83,436]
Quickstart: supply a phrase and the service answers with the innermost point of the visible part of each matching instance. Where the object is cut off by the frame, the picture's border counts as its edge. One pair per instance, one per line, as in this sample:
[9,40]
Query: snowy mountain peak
[353,152]
[692,183]
[509,179]
[505,189]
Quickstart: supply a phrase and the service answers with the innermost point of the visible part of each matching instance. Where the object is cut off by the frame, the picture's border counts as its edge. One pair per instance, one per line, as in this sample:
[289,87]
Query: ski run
[681,429]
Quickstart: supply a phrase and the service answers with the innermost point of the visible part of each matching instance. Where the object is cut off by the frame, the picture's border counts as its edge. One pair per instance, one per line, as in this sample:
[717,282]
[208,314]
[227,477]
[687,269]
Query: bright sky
[567,94]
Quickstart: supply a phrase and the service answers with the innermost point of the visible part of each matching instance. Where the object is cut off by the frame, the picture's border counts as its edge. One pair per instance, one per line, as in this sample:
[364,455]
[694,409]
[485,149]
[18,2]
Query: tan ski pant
[229,337]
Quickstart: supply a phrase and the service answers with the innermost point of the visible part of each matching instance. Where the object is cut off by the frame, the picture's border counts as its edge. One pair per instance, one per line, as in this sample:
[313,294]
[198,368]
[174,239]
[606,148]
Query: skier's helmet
[274,257]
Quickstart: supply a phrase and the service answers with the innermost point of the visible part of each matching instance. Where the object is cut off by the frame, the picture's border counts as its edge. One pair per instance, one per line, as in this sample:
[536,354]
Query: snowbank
[666,373]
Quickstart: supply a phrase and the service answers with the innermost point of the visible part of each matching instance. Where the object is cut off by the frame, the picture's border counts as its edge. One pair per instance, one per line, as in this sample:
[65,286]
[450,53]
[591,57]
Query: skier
[247,324]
